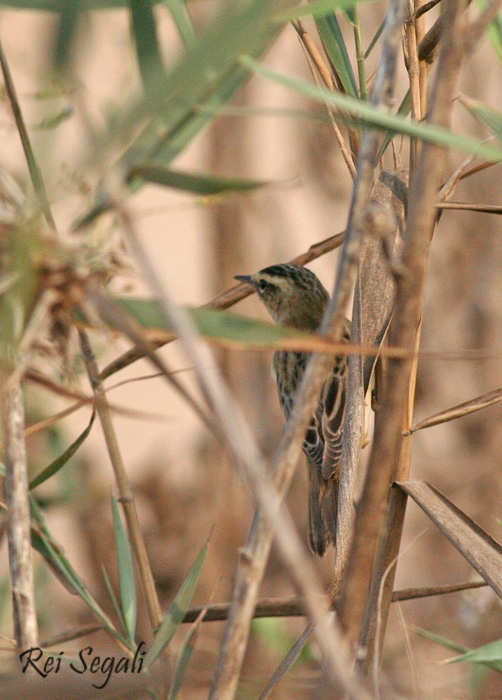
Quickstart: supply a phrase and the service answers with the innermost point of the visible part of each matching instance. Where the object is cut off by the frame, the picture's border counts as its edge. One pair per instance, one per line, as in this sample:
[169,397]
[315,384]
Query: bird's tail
[323,495]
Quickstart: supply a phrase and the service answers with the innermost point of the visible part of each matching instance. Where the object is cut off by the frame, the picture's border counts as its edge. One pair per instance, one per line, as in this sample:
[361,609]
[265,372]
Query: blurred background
[184,483]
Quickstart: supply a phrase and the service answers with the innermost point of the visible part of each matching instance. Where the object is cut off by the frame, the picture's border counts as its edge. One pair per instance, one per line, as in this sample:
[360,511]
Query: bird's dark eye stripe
[302,277]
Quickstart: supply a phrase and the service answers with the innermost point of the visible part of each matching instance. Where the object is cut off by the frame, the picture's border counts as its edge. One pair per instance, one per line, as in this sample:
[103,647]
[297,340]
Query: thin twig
[425,8]
[126,495]
[295,607]
[468,206]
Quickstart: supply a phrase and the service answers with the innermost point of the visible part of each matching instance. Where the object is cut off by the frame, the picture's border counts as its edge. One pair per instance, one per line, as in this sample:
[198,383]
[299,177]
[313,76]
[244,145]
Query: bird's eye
[262,285]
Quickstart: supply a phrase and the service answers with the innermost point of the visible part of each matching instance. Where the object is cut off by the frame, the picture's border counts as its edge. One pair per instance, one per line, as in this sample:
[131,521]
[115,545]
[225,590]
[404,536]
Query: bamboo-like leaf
[68,23]
[494,31]
[480,550]
[113,598]
[441,640]
[380,118]
[147,48]
[59,560]
[126,573]
[184,657]
[211,323]
[287,662]
[489,654]
[240,28]
[181,17]
[61,5]
[318,8]
[352,15]
[192,182]
[60,461]
[482,112]
[333,40]
[177,611]
[373,42]
[462,409]
[189,98]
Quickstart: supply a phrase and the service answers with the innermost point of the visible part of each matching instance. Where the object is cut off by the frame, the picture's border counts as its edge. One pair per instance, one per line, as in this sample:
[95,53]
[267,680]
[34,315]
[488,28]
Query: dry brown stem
[126,496]
[18,523]
[386,448]
[295,607]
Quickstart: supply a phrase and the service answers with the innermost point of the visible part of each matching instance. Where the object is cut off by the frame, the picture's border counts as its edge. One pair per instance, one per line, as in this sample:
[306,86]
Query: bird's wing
[313,445]
[333,400]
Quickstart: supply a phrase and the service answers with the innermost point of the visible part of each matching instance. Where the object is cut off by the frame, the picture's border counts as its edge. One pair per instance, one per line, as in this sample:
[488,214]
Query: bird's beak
[245,278]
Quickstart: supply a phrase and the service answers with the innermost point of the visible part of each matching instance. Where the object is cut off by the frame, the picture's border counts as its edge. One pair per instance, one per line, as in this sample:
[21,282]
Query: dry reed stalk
[126,496]
[384,457]
[358,226]
[384,573]
[16,478]
[18,522]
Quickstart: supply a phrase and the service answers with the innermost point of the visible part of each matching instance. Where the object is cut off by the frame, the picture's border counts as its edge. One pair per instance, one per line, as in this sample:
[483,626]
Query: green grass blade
[68,23]
[318,8]
[63,459]
[182,662]
[494,31]
[333,40]
[441,640]
[403,110]
[188,98]
[174,617]
[485,114]
[211,323]
[240,28]
[181,17]
[379,118]
[147,47]
[126,573]
[352,15]
[192,182]
[489,654]
[60,5]
[373,42]
[60,561]
[113,597]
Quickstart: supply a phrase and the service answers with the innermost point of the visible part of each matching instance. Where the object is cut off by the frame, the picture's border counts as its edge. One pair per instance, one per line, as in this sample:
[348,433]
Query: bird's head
[293,295]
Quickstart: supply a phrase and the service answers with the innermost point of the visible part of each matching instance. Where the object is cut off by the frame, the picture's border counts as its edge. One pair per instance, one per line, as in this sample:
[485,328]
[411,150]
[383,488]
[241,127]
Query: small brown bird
[295,297]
